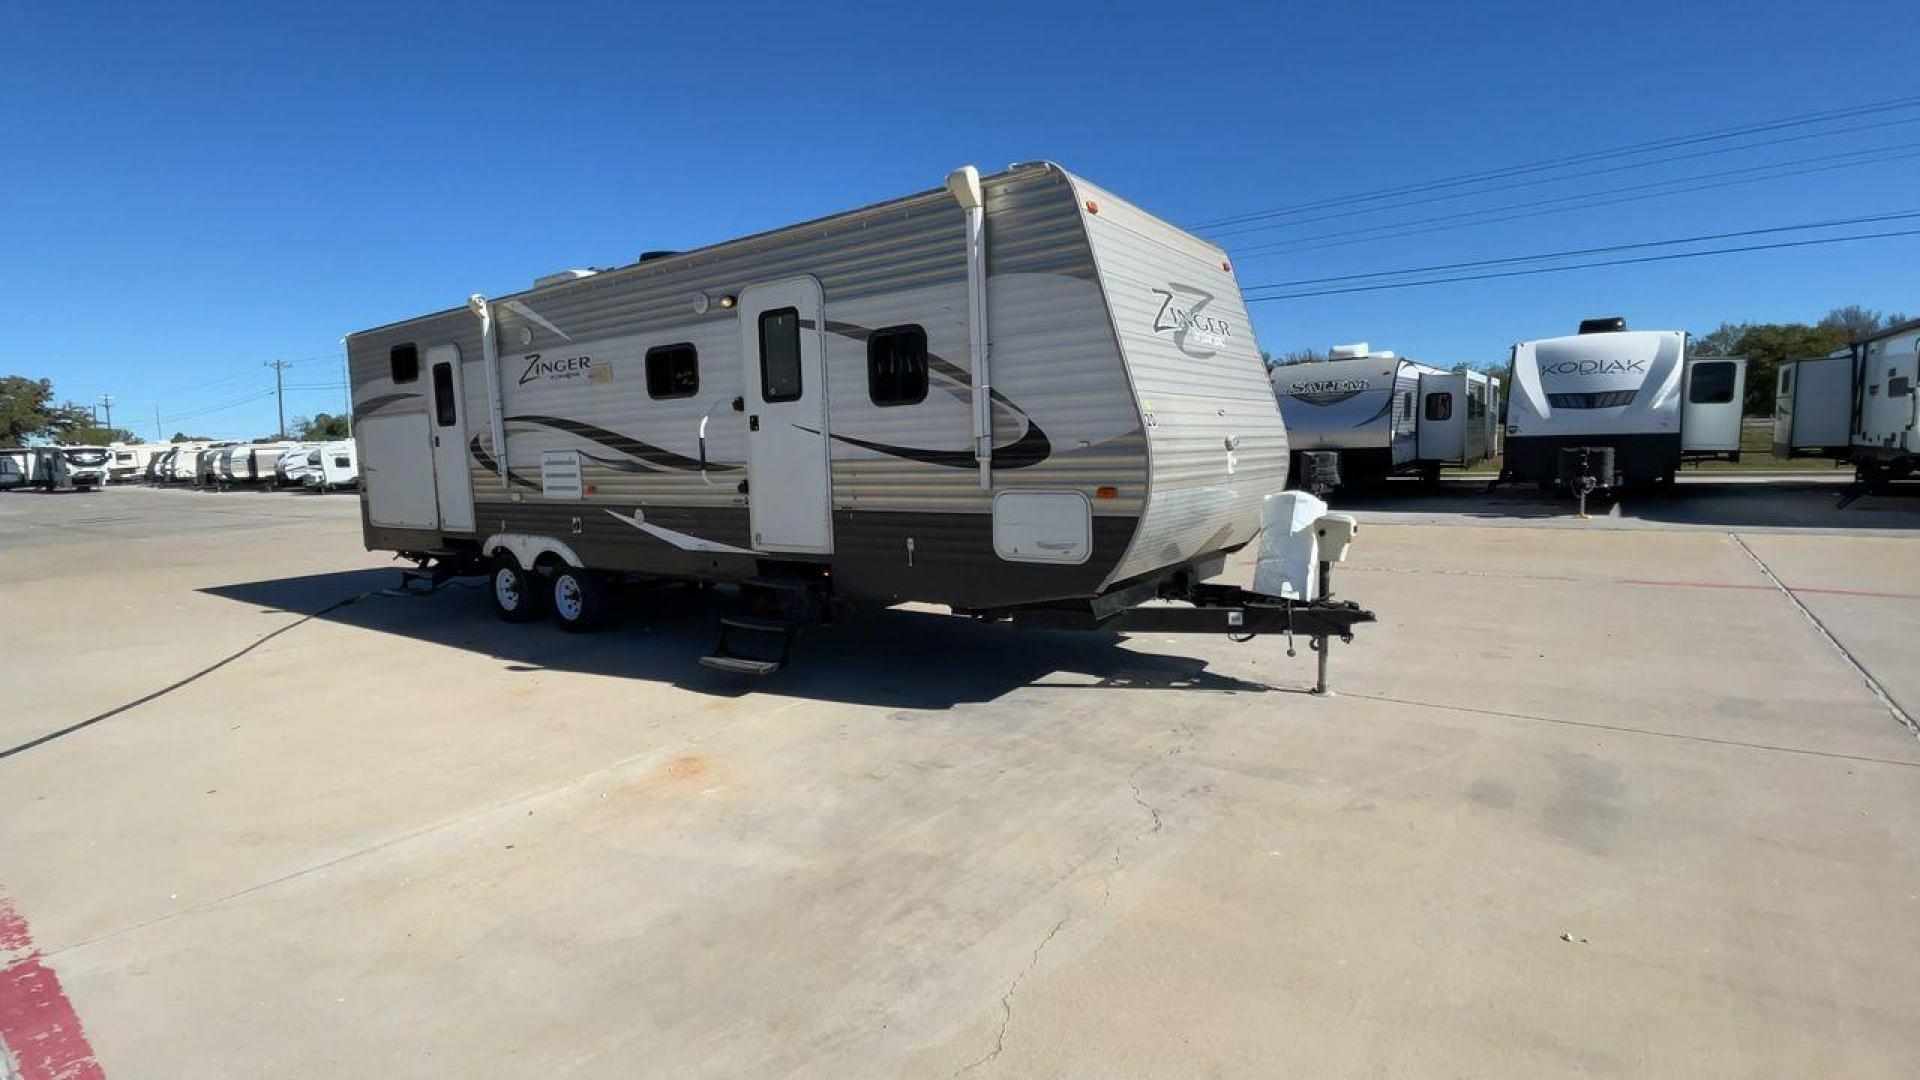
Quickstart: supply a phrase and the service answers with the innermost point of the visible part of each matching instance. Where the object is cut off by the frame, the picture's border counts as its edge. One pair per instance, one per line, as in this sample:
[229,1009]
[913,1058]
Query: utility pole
[346,376]
[106,400]
[279,391]
[158,436]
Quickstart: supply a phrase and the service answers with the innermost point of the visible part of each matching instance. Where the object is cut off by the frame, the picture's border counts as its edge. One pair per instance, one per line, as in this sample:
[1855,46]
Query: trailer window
[1712,384]
[673,371]
[1440,406]
[1476,403]
[1786,380]
[1899,387]
[897,366]
[446,411]
[780,355]
[404,361]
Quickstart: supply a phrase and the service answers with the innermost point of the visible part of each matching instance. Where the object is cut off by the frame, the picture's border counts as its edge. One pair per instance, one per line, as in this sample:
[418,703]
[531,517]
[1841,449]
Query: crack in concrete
[1119,863]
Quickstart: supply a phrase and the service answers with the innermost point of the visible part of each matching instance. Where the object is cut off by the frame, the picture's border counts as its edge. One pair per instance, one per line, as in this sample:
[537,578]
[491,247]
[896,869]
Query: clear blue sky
[188,194]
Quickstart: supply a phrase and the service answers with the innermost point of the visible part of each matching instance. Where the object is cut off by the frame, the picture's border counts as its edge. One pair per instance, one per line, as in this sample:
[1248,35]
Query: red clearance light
[1226,266]
[1106,491]
[1092,207]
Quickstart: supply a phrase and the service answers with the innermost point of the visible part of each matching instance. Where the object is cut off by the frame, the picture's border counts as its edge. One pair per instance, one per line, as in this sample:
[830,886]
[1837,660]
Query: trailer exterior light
[727,302]
[701,302]
[1106,491]
[1092,207]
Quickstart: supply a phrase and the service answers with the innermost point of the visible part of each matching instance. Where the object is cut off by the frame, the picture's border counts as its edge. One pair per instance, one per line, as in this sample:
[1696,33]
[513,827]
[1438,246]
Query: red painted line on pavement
[39,1031]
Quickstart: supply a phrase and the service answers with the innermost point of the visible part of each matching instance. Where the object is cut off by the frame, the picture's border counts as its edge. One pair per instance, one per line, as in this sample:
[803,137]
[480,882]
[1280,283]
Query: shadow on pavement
[891,657]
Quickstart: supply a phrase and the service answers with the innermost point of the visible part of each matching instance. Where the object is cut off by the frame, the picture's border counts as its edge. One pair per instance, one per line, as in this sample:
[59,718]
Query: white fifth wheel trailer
[1015,395]
[1611,407]
[1858,404]
[338,466]
[1378,415]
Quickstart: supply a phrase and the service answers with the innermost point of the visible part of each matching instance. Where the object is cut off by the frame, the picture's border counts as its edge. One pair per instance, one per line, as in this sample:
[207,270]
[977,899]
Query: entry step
[740,665]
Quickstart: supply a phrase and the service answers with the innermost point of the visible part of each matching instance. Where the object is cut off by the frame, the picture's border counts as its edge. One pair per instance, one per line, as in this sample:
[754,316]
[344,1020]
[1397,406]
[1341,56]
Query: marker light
[1106,492]
[727,302]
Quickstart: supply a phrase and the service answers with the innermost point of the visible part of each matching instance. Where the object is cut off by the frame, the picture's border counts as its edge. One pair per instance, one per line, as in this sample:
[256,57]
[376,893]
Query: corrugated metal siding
[1054,357]
[1199,392]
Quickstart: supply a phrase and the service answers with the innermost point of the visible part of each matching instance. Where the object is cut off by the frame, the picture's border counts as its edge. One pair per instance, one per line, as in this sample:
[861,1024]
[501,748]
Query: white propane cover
[1289,562]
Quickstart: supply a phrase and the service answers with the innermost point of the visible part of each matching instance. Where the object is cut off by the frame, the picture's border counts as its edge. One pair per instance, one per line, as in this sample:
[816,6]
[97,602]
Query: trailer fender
[527,549]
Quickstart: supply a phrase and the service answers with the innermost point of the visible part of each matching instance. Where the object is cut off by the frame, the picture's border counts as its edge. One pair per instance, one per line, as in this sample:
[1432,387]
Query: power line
[1397,230]
[1887,105]
[1572,252]
[1585,266]
[1581,176]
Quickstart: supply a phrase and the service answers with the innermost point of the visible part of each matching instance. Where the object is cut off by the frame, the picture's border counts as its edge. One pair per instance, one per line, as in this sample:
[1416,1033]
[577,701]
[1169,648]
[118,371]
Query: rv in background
[1629,403]
[1858,404]
[291,468]
[82,468]
[16,468]
[337,466]
[1385,415]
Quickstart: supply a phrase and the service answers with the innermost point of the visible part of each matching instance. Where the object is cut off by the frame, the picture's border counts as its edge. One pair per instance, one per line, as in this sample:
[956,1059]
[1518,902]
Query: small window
[1899,387]
[1476,403]
[673,371]
[780,355]
[1712,384]
[1786,380]
[446,411]
[404,360]
[1439,406]
[897,366]
[340,461]
[1406,404]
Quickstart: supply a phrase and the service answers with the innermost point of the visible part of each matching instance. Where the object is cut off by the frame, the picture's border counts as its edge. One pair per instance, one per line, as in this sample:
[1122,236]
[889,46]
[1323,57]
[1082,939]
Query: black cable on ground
[205,671]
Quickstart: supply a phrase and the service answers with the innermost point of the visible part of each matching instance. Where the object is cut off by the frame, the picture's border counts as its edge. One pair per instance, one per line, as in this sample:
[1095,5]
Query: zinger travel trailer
[1859,404]
[1611,407]
[1383,415]
[1009,394]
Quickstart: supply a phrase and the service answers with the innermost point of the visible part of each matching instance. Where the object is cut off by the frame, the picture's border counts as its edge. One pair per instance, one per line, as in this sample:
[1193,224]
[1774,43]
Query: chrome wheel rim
[567,600]
[506,589]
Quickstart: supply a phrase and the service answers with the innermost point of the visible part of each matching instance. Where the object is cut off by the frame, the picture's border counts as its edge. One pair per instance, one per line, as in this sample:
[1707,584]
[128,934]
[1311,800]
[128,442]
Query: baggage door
[789,488]
[1710,409]
[1441,417]
[452,480]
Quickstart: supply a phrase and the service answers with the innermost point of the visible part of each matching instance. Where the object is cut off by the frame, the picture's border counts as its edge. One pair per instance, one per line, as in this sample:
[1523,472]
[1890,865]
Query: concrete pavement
[1592,802]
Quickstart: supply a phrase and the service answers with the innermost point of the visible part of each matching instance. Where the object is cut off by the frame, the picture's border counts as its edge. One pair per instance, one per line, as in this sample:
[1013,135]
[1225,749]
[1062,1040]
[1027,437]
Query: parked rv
[16,468]
[210,468]
[814,412]
[1364,415]
[82,468]
[1611,407]
[131,461]
[290,469]
[1858,404]
[338,466]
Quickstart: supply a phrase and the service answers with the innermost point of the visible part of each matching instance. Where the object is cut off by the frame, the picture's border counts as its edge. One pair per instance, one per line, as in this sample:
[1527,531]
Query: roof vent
[1612,324]
[561,277]
[649,256]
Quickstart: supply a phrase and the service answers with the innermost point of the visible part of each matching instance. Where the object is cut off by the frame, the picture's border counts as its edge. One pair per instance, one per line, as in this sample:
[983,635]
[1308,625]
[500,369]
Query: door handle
[753,423]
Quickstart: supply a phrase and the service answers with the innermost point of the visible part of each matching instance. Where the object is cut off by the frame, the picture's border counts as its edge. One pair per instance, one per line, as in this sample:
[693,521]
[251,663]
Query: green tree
[324,427]
[1766,344]
[27,412]
[181,436]
[1298,356]
[1859,322]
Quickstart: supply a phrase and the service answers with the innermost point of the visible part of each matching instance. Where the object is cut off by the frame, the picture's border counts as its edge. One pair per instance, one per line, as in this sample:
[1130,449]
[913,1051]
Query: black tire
[581,600]
[518,596]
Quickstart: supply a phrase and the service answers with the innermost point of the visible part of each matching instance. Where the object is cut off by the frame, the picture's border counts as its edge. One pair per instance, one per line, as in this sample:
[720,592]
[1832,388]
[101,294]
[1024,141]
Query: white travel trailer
[815,412]
[1630,404]
[1858,404]
[337,466]
[82,468]
[1385,415]
[132,461]
[291,467]
[208,466]
[16,468]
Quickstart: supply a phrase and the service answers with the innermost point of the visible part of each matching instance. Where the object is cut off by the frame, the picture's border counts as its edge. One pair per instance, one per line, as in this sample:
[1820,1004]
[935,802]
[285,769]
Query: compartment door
[789,483]
[1710,407]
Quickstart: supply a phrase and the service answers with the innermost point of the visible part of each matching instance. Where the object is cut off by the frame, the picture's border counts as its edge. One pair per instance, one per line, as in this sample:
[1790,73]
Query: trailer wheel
[517,595]
[581,599]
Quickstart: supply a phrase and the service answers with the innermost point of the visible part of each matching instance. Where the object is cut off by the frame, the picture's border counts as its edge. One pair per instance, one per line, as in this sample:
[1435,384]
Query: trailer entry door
[452,480]
[789,487]
[1710,411]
